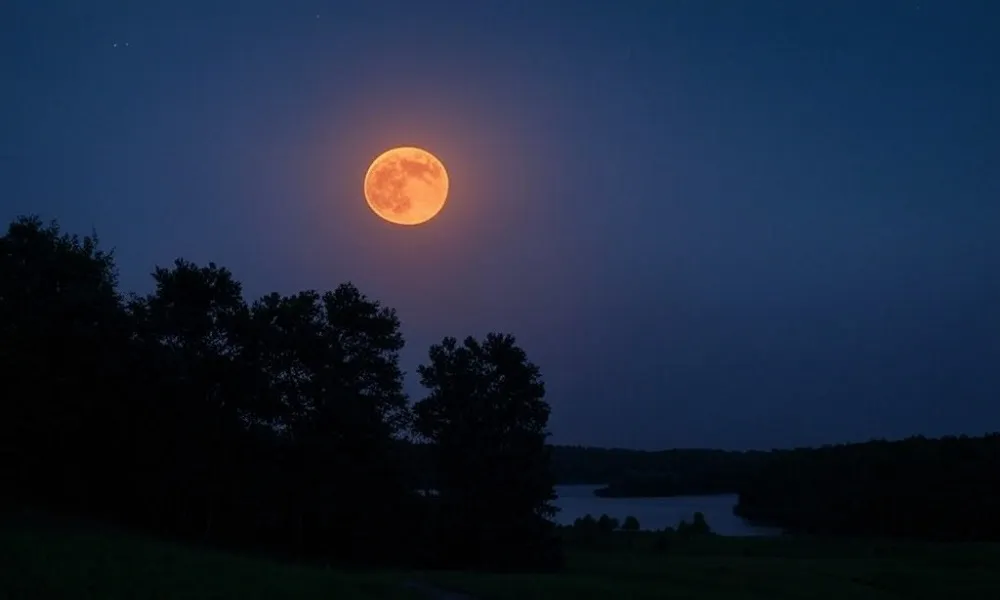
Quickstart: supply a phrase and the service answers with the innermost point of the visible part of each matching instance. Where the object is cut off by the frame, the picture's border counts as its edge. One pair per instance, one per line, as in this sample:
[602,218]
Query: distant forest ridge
[588,465]
[686,471]
[941,489]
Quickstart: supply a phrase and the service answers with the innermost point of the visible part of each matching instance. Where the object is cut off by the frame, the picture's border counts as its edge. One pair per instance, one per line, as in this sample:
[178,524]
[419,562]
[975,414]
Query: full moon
[406,185]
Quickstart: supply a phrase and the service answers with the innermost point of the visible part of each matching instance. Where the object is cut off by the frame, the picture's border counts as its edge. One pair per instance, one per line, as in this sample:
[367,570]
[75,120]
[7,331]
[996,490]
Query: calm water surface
[576,501]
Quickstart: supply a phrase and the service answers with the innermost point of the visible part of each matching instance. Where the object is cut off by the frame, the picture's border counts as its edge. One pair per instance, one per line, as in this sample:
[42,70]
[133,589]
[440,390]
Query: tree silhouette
[925,488]
[63,337]
[190,325]
[486,417]
[332,363]
[191,413]
[280,425]
[699,525]
[607,524]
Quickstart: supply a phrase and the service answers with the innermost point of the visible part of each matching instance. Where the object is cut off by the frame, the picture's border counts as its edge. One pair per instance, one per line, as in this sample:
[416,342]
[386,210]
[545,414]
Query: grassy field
[759,568]
[56,563]
[61,562]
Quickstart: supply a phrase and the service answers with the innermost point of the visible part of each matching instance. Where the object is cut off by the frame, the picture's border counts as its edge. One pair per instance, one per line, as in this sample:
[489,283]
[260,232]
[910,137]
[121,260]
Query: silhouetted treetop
[490,381]
[485,416]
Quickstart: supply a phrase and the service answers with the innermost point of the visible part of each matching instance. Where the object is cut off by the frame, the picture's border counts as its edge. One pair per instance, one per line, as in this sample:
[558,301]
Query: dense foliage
[275,424]
[486,418]
[943,489]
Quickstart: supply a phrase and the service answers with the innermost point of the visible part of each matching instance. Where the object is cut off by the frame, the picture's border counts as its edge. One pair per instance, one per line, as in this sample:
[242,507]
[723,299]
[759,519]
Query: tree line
[280,425]
[277,425]
[932,489]
[937,489]
[631,473]
[636,473]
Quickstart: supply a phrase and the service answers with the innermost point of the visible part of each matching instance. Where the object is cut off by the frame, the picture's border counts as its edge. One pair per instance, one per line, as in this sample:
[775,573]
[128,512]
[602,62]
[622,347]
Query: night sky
[736,224]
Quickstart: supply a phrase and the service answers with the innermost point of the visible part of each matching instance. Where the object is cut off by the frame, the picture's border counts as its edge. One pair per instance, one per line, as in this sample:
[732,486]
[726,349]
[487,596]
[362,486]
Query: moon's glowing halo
[406,185]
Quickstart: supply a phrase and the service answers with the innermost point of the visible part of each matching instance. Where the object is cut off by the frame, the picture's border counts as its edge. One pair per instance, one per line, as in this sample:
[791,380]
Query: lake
[576,501]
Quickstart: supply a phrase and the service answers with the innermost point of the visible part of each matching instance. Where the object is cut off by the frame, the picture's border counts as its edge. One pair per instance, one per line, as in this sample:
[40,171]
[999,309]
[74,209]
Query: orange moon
[406,186]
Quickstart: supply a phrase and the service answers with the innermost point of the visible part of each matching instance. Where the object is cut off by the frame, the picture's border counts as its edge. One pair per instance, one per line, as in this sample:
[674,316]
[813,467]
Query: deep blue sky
[711,223]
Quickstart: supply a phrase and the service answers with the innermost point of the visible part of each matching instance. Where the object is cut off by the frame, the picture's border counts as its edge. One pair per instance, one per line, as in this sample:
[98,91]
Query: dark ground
[60,559]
